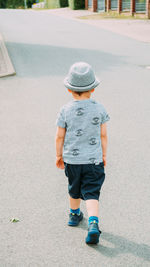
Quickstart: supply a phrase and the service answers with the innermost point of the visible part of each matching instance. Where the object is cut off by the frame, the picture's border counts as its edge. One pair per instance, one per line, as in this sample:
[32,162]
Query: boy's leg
[74,203]
[75,215]
[93,178]
[92,206]
[73,173]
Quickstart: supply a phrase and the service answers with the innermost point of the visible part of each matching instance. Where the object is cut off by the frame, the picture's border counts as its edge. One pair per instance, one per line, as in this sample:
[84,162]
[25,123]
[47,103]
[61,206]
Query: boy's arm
[59,142]
[104,141]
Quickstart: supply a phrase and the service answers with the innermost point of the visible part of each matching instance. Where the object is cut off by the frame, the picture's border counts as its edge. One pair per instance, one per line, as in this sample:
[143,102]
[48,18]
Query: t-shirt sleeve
[104,116]
[60,121]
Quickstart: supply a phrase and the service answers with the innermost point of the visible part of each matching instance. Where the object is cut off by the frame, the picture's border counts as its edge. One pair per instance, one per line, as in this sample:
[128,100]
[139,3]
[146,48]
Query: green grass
[113,15]
[45,8]
[38,9]
[51,4]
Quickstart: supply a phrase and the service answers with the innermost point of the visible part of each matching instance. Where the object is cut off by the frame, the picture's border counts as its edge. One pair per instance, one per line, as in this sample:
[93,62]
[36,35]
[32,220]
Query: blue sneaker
[74,219]
[93,234]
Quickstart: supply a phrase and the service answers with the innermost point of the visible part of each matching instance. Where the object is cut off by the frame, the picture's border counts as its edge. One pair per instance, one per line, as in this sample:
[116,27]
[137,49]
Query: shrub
[57,3]
[15,3]
[2,3]
[77,4]
[63,3]
[30,3]
[53,4]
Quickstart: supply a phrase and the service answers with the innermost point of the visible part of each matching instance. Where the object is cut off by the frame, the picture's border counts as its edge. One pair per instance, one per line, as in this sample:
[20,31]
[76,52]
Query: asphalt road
[42,48]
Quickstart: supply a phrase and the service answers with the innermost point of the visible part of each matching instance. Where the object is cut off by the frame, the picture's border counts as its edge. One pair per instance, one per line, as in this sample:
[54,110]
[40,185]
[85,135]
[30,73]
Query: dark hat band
[82,85]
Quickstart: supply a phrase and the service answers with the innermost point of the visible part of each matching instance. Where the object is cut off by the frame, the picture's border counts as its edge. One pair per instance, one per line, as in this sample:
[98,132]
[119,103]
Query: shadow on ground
[31,60]
[118,245]
[122,245]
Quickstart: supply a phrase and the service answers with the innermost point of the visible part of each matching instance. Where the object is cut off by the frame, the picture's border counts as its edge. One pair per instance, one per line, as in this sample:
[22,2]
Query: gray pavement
[136,29]
[42,47]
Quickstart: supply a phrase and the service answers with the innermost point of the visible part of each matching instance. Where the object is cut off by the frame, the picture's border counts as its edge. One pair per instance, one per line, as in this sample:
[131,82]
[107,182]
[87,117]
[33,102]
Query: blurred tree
[3,3]
[30,3]
[15,4]
[77,4]
[63,3]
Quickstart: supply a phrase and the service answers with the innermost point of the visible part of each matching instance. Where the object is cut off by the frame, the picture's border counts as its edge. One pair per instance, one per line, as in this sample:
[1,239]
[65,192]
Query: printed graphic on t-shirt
[92,160]
[96,120]
[79,132]
[92,141]
[79,111]
[75,152]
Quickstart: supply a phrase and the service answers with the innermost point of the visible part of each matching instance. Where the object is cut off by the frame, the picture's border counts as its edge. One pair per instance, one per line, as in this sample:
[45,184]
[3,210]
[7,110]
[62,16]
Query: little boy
[81,142]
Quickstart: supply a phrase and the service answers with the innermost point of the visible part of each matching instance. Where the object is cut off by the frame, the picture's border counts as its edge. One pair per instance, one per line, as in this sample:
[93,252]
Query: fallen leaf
[14,220]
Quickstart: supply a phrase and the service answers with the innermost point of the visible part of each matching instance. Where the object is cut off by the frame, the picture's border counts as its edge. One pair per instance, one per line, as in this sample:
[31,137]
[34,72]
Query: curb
[6,67]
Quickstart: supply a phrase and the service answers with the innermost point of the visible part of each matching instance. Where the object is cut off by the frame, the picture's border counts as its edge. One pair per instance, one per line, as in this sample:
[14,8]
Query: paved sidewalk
[136,29]
[6,67]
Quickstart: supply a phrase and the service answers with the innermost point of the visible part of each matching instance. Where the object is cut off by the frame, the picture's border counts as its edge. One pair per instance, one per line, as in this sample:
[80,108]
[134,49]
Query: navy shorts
[85,180]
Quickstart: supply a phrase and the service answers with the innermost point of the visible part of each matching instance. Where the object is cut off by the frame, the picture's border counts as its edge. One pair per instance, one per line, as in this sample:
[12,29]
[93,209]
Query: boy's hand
[104,160]
[60,162]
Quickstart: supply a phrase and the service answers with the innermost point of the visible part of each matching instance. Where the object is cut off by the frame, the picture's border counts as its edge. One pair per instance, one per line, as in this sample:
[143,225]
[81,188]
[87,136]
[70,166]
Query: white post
[45,4]
[25,4]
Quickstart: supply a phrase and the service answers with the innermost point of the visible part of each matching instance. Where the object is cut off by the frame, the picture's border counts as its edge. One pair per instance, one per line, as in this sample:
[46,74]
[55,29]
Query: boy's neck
[81,98]
[84,96]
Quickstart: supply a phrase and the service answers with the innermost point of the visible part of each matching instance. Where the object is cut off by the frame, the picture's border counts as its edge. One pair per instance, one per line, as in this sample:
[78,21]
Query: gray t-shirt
[82,120]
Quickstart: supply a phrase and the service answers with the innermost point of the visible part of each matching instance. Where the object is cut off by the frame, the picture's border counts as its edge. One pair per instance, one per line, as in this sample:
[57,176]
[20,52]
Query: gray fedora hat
[81,78]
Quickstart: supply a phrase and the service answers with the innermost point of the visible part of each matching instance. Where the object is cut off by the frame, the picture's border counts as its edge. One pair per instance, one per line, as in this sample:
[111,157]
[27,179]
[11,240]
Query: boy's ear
[92,90]
[69,91]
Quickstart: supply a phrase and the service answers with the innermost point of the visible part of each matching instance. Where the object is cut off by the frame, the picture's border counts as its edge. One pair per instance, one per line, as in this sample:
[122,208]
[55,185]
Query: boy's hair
[80,93]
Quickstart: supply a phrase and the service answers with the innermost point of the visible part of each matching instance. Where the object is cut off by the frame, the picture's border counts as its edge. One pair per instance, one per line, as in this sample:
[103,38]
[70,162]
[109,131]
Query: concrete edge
[6,59]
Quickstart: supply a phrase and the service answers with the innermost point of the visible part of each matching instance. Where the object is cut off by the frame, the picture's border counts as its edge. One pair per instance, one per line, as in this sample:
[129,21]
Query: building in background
[132,6]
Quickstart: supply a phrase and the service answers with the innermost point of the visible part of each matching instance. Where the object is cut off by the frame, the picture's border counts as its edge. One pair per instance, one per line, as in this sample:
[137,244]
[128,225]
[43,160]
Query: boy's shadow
[120,245]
